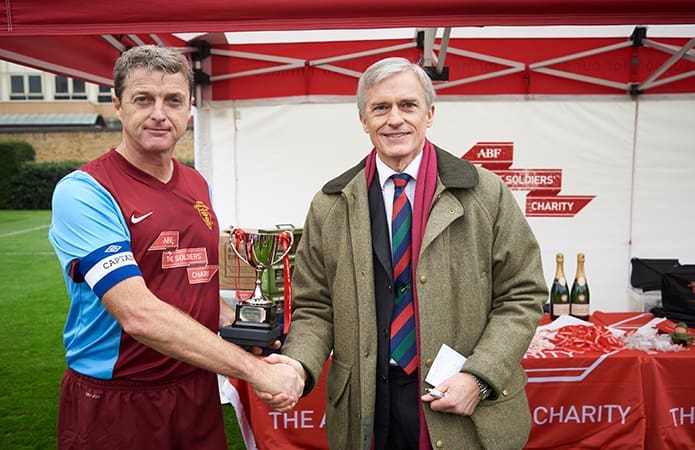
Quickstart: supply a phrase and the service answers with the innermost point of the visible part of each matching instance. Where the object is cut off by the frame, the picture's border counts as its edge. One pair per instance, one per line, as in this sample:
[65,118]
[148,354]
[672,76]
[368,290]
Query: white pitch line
[27,230]
[27,253]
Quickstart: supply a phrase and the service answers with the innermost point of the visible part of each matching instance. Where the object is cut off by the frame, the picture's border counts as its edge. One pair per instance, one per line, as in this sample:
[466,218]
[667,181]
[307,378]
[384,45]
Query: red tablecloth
[668,388]
[626,399]
[263,428]
[593,400]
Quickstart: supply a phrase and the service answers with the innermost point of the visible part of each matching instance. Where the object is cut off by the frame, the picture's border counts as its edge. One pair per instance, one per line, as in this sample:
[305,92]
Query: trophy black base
[251,336]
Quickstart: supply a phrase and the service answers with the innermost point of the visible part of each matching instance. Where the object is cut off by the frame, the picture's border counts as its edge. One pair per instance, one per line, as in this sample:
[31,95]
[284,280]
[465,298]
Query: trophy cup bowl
[256,321]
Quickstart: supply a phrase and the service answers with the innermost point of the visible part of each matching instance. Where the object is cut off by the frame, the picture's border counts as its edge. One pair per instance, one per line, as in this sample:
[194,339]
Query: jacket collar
[454,173]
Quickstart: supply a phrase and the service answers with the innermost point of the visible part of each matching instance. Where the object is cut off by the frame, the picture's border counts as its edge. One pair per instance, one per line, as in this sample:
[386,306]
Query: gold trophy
[256,322]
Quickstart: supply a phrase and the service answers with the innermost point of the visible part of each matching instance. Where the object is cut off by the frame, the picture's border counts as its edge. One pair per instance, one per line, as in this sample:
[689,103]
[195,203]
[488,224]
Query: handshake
[279,382]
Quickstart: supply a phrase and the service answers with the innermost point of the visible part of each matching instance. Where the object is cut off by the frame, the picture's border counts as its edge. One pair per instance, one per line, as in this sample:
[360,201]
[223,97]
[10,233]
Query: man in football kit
[137,239]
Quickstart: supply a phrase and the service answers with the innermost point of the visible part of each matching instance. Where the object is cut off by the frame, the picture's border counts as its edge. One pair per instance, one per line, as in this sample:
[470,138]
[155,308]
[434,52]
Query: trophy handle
[289,246]
[232,234]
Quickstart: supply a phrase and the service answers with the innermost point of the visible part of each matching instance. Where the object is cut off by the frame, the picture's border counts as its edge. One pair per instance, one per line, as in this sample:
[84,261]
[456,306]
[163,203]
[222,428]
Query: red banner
[555,205]
[585,401]
[669,395]
[669,398]
[543,185]
[623,399]
[264,429]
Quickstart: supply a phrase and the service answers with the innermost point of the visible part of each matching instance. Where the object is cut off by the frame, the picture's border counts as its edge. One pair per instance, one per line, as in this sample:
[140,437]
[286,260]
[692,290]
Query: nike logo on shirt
[137,219]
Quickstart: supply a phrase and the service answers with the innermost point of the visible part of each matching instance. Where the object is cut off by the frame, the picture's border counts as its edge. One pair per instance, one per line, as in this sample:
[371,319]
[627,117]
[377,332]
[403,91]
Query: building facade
[63,118]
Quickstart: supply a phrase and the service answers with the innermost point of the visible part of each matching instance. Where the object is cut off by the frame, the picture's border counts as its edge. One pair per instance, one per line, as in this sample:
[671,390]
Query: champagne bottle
[579,297]
[559,292]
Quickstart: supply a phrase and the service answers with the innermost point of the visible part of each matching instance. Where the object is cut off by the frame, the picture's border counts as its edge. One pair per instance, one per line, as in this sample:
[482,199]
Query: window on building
[104,94]
[35,87]
[69,89]
[79,90]
[26,87]
[62,90]
[17,87]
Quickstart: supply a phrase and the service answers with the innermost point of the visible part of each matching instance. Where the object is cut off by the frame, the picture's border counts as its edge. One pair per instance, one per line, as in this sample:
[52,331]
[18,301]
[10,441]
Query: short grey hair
[154,58]
[387,67]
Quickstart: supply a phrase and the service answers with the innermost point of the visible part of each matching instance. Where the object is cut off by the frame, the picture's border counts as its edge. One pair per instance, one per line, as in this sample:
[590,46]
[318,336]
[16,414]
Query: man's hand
[287,398]
[227,313]
[461,395]
[259,350]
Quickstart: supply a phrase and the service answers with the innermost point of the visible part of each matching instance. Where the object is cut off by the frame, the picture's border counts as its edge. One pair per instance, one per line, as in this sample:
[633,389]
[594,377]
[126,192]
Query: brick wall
[83,145]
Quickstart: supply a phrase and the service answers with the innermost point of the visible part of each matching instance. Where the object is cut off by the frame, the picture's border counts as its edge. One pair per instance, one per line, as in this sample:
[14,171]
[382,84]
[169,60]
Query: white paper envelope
[447,363]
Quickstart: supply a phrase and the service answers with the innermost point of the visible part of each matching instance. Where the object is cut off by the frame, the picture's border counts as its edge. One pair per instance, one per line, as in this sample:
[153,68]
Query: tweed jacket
[480,286]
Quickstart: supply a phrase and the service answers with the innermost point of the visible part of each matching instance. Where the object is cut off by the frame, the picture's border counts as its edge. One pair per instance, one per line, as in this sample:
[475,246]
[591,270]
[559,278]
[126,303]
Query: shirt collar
[385,171]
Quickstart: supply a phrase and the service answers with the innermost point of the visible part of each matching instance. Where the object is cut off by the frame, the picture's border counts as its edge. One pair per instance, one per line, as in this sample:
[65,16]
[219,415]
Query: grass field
[33,305]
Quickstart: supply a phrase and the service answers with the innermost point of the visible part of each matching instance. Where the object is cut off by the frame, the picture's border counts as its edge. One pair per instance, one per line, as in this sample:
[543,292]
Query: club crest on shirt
[204,212]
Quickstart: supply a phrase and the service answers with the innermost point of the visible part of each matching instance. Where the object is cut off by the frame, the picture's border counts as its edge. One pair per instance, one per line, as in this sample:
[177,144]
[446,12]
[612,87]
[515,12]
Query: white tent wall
[590,141]
[664,216]
[268,161]
[634,156]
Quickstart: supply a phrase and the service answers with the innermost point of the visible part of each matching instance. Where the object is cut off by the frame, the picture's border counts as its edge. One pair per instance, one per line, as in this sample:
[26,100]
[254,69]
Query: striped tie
[403,348]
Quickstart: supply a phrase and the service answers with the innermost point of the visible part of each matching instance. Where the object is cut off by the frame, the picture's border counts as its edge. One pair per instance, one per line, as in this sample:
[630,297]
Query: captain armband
[107,266]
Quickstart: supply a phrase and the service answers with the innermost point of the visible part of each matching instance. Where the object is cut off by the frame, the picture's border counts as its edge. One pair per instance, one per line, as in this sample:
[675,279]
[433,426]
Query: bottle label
[580,309]
[560,309]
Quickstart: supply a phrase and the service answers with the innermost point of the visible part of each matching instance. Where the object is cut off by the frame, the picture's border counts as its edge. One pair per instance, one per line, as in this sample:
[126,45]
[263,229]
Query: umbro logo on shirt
[137,219]
[112,249]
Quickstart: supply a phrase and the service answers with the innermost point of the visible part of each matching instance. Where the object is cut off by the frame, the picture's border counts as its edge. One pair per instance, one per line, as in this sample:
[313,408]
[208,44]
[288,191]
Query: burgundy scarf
[424,193]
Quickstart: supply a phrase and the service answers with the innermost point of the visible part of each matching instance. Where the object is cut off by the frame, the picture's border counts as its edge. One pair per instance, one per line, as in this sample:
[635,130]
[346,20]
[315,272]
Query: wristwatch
[485,389]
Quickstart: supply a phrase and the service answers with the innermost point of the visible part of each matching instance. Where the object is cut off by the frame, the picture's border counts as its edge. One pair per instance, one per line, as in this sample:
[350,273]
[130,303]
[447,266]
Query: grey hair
[154,58]
[380,70]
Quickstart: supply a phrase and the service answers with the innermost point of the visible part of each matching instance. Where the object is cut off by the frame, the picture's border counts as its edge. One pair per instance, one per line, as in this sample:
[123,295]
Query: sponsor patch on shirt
[184,257]
[105,267]
[198,275]
[167,240]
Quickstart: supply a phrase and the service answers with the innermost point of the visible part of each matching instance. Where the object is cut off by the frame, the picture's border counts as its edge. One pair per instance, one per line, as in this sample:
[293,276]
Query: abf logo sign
[543,185]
